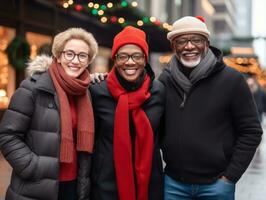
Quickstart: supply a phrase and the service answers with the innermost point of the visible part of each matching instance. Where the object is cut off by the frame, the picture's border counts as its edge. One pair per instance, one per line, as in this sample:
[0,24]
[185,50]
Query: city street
[251,186]
[52,51]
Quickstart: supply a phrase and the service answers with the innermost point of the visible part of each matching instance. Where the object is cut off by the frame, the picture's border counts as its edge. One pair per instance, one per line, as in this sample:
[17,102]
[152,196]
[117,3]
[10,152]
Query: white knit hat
[187,25]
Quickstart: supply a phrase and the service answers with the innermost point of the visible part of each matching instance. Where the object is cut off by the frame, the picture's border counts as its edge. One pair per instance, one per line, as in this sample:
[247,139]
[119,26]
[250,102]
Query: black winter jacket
[215,131]
[103,178]
[30,142]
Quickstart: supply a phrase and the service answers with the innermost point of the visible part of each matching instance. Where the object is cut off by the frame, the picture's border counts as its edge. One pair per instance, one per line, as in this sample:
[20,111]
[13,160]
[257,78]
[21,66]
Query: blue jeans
[219,190]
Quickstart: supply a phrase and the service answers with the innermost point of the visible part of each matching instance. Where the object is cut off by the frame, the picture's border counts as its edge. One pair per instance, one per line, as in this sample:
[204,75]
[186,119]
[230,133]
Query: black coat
[30,142]
[215,132]
[103,178]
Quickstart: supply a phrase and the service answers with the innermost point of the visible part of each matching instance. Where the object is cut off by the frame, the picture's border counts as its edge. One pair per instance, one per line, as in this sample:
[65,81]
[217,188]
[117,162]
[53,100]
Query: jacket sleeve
[84,182]
[13,129]
[247,127]
[162,120]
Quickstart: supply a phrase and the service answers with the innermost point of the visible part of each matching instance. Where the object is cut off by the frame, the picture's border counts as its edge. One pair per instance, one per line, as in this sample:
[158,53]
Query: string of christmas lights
[101,12]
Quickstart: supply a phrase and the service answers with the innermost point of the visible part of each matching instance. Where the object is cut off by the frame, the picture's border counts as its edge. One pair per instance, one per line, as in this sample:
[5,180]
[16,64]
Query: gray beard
[190,64]
[193,64]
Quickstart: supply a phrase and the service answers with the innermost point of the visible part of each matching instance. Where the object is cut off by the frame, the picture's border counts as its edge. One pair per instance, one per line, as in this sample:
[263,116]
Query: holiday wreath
[18,52]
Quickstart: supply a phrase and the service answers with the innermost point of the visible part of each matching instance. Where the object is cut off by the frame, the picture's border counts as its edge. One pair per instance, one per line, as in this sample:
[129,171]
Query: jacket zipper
[185,96]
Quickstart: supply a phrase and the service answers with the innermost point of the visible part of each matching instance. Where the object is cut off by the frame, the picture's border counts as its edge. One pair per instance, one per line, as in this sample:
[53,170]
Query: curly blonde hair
[74,33]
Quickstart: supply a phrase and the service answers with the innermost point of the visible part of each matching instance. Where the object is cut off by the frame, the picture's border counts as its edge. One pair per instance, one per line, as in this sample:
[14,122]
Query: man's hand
[225,179]
[98,77]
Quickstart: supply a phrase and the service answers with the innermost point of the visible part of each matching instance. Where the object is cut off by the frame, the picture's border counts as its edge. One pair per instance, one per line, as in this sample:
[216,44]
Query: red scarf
[131,101]
[66,85]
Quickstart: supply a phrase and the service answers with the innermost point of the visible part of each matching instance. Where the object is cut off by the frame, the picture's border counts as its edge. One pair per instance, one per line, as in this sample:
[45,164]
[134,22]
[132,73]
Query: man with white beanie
[211,124]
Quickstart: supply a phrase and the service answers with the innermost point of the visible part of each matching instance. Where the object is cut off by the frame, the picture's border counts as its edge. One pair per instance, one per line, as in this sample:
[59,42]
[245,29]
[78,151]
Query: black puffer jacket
[214,131]
[103,178]
[30,140]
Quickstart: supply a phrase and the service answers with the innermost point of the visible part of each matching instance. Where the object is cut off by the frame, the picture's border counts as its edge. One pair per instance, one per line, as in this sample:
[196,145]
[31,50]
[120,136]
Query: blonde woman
[47,133]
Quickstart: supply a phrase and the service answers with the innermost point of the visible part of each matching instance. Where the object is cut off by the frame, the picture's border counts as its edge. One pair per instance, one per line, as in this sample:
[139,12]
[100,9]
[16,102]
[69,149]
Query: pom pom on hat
[187,25]
[130,35]
[201,18]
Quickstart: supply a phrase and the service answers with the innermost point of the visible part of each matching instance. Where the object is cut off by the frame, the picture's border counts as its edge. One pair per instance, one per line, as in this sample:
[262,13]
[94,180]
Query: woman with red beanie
[47,133]
[128,107]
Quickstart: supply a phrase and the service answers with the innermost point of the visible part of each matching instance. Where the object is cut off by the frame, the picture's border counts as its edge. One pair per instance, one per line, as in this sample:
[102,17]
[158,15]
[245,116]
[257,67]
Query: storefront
[7,73]
[28,26]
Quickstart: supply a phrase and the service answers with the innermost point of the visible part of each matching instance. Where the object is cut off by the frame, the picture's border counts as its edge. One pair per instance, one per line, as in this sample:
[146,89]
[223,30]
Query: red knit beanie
[130,35]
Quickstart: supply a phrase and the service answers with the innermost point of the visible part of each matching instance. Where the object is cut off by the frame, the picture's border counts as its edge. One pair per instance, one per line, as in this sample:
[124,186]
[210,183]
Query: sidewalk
[252,185]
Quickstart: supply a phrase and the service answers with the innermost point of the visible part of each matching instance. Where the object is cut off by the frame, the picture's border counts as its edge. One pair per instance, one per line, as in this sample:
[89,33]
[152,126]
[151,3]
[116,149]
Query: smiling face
[130,62]
[74,58]
[190,48]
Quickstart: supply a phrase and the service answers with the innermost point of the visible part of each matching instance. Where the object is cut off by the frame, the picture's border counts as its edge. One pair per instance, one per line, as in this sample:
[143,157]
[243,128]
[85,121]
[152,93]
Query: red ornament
[113,19]
[157,23]
[78,7]
[201,18]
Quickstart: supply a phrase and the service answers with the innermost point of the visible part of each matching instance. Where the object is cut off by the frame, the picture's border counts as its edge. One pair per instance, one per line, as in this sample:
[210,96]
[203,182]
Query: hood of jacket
[39,65]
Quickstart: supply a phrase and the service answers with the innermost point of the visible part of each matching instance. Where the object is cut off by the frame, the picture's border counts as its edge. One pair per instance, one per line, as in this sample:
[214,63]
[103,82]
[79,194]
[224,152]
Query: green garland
[18,52]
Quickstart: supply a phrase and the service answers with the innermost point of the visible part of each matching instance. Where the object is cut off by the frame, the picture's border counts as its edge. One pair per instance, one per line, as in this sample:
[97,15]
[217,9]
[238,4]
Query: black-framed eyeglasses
[124,57]
[69,55]
[196,41]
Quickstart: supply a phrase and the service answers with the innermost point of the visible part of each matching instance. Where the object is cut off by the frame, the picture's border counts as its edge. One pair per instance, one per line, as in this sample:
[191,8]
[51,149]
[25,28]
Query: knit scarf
[122,146]
[66,85]
[205,67]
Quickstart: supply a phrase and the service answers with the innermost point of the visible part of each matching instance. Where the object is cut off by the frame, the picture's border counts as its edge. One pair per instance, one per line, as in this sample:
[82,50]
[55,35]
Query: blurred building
[229,21]
[165,11]
[243,18]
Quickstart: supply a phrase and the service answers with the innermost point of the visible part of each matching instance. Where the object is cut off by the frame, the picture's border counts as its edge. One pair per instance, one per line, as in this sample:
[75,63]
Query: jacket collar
[38,70]
[44,82]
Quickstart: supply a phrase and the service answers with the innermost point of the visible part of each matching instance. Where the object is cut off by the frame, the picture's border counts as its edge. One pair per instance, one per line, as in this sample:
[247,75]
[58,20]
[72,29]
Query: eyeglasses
[196,41]
[136,57]
[69,55]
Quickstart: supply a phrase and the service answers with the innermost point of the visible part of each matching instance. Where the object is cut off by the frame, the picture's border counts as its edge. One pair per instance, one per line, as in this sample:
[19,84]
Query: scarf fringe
[66,152]
[85,141]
